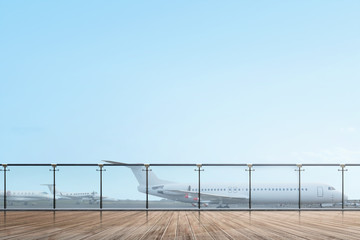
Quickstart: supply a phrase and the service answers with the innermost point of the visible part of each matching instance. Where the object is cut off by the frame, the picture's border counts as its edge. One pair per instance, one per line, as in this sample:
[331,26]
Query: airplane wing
[211,197]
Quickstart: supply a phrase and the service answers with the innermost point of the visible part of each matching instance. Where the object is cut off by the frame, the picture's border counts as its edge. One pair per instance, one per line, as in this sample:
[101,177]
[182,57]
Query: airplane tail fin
[141,175]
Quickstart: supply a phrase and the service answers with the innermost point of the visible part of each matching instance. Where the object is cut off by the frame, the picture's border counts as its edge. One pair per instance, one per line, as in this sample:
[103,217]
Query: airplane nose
[337,196]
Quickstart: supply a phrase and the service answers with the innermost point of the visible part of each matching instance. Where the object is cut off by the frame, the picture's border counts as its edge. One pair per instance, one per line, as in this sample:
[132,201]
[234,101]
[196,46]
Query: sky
[179,81]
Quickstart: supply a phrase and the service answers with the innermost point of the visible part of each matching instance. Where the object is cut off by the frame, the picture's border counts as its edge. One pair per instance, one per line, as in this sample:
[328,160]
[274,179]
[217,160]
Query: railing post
[250,170]
[5,170]
[299,170]
[147,166]
[199,184]
[54,185]
[342,184]
[101,194]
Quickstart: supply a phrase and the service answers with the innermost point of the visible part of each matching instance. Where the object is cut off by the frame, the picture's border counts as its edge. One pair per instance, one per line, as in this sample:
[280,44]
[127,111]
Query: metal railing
[198,168]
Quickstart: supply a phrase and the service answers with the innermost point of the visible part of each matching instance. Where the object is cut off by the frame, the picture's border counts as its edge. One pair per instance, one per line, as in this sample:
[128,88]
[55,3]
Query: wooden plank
[212,226]
[183,230]
[170,231]
[158,229]
[197,228]
[180,225]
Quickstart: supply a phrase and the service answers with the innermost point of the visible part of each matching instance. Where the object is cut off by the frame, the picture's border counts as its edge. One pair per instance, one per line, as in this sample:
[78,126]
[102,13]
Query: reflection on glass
[76,187]
[25,188]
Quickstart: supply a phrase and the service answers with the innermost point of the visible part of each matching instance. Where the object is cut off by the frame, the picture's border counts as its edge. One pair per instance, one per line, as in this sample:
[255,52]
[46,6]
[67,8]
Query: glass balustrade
[274,187]
[172,187]
[175,186]
[351,187]
[224,187]
[77,187]
[320,187]
[26,189]
[121,187]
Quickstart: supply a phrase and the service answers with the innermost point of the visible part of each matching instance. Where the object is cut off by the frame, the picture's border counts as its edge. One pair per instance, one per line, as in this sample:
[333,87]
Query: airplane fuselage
[260,193]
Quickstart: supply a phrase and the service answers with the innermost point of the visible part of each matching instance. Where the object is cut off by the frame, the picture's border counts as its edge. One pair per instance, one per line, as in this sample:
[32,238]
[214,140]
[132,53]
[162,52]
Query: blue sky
[179,81]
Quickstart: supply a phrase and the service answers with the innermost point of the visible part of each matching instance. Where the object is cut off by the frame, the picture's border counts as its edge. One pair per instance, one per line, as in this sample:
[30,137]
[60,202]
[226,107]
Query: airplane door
[320,192]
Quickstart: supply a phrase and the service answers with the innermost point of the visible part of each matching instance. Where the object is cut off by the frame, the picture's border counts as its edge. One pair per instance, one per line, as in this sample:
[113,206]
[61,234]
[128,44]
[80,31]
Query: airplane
[25,196]
[224,194]
[92,197]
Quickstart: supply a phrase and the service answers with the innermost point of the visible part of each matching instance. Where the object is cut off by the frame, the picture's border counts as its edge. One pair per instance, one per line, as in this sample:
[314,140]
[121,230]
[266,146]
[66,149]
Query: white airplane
[224,194]
[92,197]
[25,196]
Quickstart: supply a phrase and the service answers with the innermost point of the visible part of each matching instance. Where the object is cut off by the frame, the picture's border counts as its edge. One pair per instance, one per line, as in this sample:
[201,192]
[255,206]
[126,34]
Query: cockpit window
[331,188]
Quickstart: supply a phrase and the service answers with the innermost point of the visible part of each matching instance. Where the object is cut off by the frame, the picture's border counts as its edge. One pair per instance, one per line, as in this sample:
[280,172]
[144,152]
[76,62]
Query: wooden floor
[180,225]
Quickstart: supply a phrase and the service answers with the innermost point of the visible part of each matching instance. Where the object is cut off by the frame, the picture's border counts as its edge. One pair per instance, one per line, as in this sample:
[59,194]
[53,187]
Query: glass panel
[351,188]
[274,187]
[120,187]
[224,187]
[1,187]
[25,187]
[172,187]
[322,186]
[77,187]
